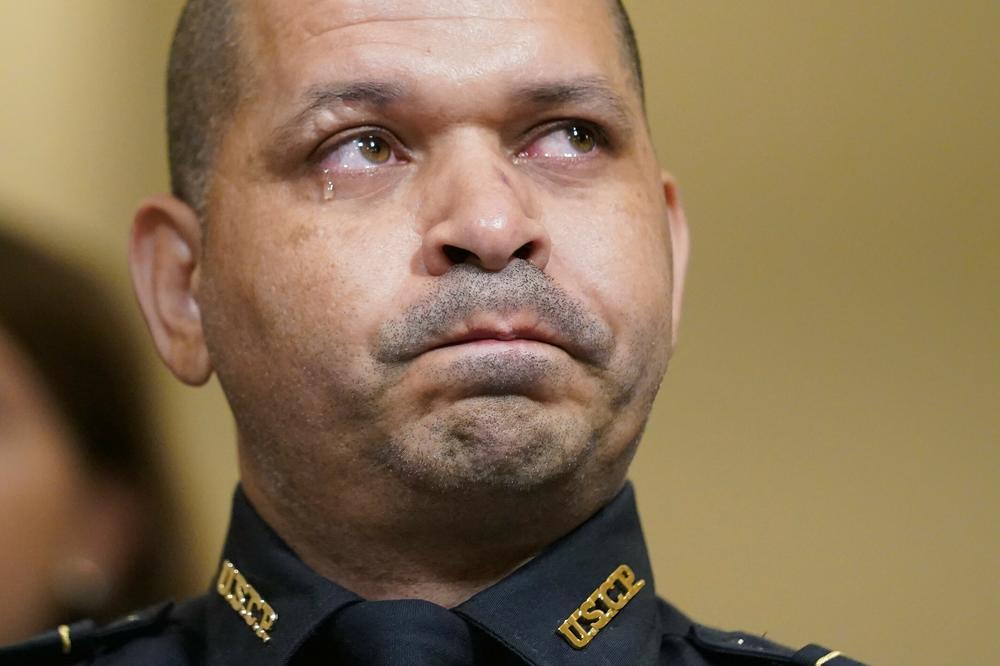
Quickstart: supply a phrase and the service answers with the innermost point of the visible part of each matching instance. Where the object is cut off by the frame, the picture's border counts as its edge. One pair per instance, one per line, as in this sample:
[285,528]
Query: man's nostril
[524,252]
[456,255]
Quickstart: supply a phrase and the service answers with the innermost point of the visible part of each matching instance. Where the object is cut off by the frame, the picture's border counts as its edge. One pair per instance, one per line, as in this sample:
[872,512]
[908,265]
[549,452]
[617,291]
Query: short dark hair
[631,46]
[203,89]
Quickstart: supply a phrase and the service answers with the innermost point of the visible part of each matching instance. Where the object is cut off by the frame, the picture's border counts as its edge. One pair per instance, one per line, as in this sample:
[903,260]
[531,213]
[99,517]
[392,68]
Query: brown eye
[374,149]
[581,138]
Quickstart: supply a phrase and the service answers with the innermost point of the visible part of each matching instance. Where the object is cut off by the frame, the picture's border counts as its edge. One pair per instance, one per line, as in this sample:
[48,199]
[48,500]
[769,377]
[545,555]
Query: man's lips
[485,329]
[500,335]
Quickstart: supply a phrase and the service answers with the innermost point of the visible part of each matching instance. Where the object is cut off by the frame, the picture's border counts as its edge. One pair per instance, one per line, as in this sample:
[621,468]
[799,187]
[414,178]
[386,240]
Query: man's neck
[394,543]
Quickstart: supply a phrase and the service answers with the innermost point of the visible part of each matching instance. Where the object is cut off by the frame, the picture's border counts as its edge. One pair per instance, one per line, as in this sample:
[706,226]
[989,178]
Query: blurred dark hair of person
[84,526]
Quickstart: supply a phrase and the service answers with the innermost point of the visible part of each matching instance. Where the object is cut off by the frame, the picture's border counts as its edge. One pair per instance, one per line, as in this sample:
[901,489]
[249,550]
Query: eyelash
[328,148]
[601,137]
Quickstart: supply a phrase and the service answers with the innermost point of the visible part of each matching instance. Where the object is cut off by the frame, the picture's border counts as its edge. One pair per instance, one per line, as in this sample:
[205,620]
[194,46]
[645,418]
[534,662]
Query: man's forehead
[355,11]
[293,38]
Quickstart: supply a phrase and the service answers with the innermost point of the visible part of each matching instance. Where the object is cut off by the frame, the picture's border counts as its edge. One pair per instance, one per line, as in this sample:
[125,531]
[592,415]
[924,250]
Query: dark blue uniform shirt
[589,598]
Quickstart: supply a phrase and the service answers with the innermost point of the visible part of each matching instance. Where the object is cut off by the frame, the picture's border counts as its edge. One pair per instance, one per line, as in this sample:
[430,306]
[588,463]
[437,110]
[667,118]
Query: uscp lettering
[600,607]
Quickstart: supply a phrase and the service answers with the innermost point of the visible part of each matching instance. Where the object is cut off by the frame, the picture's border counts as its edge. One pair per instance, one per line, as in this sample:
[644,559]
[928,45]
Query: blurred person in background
[84,523]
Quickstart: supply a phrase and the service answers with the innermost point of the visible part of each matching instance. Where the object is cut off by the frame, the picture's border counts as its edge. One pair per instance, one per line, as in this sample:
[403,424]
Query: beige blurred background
[822,463]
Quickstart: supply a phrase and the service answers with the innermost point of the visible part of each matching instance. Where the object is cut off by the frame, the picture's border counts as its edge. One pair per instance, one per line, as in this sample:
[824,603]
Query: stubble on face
[478,424]
[502,434]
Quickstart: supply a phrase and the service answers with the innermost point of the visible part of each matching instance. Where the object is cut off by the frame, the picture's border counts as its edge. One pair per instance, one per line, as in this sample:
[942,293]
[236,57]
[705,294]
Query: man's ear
[164,261]
[680,242]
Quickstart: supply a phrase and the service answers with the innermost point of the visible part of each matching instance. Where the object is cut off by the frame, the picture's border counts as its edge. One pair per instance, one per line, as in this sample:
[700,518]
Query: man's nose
[481,212]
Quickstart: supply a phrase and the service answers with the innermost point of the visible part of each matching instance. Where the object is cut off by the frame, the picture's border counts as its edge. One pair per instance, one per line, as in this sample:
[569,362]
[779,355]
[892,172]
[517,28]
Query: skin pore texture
[447,365]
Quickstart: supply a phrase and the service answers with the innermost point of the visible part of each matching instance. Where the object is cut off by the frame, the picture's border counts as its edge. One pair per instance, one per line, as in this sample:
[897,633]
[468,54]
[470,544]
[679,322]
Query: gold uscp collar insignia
[600,607]
[245,600]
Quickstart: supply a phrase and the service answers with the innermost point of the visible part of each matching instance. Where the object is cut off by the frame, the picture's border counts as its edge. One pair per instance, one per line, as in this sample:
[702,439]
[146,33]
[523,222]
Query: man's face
[437,245]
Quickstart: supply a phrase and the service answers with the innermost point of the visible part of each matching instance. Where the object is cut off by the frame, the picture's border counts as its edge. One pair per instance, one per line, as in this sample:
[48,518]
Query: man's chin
[488,444]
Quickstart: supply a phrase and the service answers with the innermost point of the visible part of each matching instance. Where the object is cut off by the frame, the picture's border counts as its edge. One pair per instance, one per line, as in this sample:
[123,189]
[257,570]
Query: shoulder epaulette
[71,643]
[758,650]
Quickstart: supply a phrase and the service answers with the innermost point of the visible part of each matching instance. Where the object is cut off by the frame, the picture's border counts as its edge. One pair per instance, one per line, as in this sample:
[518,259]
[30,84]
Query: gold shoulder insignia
[245,600]
[600,607]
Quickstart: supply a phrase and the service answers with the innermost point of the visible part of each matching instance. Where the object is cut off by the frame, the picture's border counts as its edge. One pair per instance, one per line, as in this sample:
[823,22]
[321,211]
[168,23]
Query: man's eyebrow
[321,97]
[373,93]
[593,91]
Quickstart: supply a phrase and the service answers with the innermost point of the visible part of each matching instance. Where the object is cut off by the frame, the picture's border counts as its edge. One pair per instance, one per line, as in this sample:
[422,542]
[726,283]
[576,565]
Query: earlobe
[680,242]
[164,262]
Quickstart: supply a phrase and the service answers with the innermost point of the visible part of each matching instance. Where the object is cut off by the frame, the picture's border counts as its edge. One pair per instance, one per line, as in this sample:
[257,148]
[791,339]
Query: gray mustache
[466,290]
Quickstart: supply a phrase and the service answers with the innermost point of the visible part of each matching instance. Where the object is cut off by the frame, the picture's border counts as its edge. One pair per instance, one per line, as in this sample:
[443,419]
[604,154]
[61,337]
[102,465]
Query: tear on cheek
[326,185]
[331,185]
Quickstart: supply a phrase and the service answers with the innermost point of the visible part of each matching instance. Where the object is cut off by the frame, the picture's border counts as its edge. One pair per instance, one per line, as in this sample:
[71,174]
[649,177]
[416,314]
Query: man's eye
[567,141]
[360,152]
[581,138]
[374,149]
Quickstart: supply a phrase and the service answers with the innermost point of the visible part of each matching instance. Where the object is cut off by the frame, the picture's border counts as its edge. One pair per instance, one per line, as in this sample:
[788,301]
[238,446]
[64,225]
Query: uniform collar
[301,598]
[523,611]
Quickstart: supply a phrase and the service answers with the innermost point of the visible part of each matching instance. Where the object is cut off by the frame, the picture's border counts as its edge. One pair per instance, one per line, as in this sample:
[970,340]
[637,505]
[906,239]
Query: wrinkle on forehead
[348,13]
[321,27]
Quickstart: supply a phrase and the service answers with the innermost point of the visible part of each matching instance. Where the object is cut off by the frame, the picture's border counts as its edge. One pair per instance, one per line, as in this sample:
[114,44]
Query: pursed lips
[505,332]
[478,336]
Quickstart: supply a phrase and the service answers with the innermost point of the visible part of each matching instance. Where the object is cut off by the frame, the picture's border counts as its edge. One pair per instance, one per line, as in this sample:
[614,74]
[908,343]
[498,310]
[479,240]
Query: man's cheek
[614,260]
